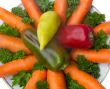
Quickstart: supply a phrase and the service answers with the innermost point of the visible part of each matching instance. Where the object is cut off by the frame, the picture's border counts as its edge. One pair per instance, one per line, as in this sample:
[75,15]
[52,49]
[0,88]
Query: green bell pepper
[47,27]
[54,56]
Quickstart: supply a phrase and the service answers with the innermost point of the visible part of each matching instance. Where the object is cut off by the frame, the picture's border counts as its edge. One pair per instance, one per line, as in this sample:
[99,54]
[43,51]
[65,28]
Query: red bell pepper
[76,36]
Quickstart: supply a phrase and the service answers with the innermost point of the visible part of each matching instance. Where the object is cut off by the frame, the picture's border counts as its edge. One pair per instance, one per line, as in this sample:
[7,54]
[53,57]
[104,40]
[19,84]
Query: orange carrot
[13,20]
[32,9]
[104,26]
[56,80]
[60,7]
[38,75]
[100,56]
[16,66]
[13,44]
[83,78]
[81,11]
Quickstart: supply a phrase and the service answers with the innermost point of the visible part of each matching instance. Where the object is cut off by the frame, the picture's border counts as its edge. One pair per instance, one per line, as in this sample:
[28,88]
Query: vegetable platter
[61,44]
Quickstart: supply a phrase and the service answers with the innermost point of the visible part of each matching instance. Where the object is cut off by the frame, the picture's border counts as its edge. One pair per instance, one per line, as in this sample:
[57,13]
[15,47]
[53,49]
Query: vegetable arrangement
[34,43]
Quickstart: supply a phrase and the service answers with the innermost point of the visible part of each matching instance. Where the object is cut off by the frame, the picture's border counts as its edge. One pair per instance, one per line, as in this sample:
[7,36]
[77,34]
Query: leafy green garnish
[19,11]
[107,46]
[72,84]
[45,5]
[89,67]
[93,19]
[7,56]
[42,85]
[72,5]
[100,40]
[21,79]
[39,66]
[19,54]
[8,30]
[28,20]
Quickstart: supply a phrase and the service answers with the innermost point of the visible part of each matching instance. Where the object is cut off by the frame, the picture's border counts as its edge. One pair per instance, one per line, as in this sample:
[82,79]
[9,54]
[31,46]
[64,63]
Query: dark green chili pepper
[54,56]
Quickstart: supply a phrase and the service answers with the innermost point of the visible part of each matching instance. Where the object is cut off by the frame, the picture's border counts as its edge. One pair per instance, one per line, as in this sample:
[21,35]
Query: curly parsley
[72,84]
[89,67]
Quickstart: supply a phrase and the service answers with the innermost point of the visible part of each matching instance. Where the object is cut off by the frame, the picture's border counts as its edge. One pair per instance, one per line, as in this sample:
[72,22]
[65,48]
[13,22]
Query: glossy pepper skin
[54,56]
[47,28]
[76,36]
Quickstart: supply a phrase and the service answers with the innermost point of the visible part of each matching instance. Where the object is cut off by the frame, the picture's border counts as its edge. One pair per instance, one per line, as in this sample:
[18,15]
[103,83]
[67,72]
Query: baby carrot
[16,66]
[13,44]
[32,9]
[38,75]
[56,80]
[100,56]
[83,78]
[81,11]
[104,26]
[60,6]
[13,20]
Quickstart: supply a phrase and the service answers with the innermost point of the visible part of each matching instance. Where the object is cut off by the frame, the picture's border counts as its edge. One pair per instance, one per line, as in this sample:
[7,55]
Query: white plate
[104,70]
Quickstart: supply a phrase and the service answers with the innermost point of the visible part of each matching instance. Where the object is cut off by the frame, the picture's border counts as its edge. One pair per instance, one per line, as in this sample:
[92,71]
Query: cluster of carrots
[56,80]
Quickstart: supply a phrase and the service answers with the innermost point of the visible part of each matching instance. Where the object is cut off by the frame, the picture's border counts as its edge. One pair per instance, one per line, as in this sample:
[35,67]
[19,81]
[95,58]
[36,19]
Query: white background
[101,5]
